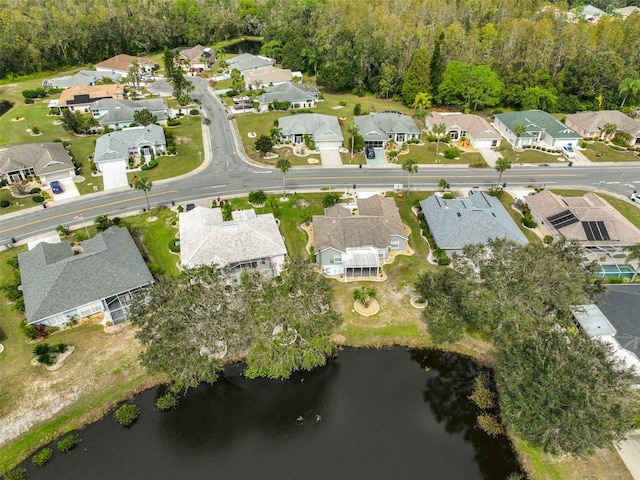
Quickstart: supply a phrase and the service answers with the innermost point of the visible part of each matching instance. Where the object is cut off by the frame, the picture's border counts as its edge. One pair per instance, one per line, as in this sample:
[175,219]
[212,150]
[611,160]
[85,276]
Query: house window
[395,244]
[494,143]
[400,137]
[453,135]
[336,259]
[463,133]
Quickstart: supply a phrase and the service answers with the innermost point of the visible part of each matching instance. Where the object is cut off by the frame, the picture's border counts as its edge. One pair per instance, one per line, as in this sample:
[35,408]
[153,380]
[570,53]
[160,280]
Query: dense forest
[520,53]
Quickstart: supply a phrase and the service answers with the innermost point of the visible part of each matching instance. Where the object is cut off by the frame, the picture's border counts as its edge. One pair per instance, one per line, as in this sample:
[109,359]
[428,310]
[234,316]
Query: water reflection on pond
[368,414]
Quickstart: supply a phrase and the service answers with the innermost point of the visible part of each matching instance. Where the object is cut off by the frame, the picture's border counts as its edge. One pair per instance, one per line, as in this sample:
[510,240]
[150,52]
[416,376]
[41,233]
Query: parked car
[56,187]
[635,197]
[568,152]
[369,152]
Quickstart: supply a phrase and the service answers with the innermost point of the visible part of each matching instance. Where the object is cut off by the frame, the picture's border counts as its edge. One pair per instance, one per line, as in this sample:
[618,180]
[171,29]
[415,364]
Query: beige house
[591,124]
[80,98]
[121,63]
[197,57]
[268,77]
[48,161]
[461,125]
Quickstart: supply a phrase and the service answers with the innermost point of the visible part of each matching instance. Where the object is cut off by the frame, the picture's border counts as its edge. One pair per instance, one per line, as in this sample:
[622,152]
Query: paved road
[228,174]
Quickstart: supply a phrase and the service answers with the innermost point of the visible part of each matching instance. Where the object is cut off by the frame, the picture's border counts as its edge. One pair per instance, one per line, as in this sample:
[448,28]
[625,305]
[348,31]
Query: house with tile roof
[80,98]
[357,244]
[591,124]
[538,127]
[64,284]
[625,12]
[199,57]
[118,113]
[462,125]
[379,128]
[247,242]
[48,161]
[324,130]
[468,220]
[247,61]
[299,96]
[268,77]
[120,64]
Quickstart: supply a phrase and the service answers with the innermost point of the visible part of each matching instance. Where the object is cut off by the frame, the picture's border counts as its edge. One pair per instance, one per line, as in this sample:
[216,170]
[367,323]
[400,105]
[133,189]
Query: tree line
[539,56]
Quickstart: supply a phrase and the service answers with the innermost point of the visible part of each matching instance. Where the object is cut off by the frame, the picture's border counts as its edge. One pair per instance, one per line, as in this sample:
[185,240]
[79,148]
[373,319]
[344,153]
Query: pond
[244,46]
[391,413]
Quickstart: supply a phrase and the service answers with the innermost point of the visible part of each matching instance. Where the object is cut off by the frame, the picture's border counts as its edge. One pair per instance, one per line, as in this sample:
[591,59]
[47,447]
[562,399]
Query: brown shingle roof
[123,61]
[94,92]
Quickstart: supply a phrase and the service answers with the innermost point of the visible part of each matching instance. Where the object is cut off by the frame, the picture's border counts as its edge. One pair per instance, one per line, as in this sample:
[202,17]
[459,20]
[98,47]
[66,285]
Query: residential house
[112,152]
[120,64]
[464,221]
[380,128]
[537,126]
[461,125]
[242,103]
[324,130]
[247,61]
[268,77]
[591,221]
[198,57]
[299,96]
[63,284]
[248,242]
[591,124]
[591,14]
[47,161]
[624,12]
[80,98]
[358,244]
[116,114]
[83,77]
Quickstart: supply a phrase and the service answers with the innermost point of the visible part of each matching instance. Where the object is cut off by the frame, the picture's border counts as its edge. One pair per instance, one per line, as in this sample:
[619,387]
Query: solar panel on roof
[603,230]
[588,231]
[595,231]
[562,219]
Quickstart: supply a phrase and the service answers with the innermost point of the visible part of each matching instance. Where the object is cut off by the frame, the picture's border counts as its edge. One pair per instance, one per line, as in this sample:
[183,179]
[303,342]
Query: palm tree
[364,295]
[443,184]
[634,255]
[422,116]
[284,165]
[502,164]
[628,88]
[438,129]
[145,186]
[519,130]
[608,130]
[353,130]
[410,166]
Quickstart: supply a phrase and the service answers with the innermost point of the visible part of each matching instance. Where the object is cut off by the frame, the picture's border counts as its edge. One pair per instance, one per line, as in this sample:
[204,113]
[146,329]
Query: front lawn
[595,153]
[528,155]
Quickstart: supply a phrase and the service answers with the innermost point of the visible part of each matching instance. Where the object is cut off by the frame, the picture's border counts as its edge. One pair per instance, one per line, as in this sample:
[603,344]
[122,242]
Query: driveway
[490,156]
[114,175]
[380,159]
[331,158]
[69,190]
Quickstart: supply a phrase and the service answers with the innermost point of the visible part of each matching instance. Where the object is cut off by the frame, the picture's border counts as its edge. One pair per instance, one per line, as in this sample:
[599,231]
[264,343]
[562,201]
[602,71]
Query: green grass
[594,152]
[362,335]
[507,201]
[17,204]
[426,154]
[528,155]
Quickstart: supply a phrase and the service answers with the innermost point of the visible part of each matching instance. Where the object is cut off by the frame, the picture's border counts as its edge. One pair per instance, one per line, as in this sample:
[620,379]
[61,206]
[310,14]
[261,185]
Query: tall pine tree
[417,78]
[437,64]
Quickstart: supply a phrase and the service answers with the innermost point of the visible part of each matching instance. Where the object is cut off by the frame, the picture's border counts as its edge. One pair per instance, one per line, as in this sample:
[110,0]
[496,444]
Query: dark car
[369,152]
[56,187]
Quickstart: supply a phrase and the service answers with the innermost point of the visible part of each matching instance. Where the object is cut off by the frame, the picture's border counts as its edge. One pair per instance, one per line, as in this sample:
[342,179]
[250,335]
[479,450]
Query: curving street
[226,173]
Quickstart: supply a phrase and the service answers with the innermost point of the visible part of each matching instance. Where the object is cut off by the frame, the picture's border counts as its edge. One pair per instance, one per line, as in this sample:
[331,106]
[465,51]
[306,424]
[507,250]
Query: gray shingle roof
[247,61]
[122,111]
[44,158]
[115,145]
[621,305]
[378,219]
[465,221]
[287,92]
[83,77]
[54,280]
[320,127]
[377,126]
[206,240]
[537,121]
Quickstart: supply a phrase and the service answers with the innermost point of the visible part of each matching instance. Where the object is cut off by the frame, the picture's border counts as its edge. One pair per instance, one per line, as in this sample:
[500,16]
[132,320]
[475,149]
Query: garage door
[114,175]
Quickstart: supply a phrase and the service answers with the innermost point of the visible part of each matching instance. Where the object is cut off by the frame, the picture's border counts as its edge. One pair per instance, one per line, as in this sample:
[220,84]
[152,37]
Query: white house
[324,130]
[532,127]
[379,128]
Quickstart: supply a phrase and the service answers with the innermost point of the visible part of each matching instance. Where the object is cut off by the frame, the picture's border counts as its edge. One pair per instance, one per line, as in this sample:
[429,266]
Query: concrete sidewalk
[629,451]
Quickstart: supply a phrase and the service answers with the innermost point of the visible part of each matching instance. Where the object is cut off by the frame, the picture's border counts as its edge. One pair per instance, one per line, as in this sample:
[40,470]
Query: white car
[568,152]
[635,197]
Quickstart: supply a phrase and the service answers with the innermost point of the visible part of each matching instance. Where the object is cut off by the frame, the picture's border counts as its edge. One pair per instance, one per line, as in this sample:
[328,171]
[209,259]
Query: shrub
[34,93]
[330,199]
[194,111]
[421,217]
[45,359]
[489,424]
[29,101]
[41,458]
[59,348]
[548,240]
[166,402]
[27,330]
[482,395]
[41,349]
[257,197]
[35,190]
[448,196]
[150,165]
[357,110]
[35,130]
[5,203]
[16,474]
[451,153]
[441,257]
[38,198]
[479,164]
[173,123]
[127,414]
[68,443]
[174,245]
[342,103]
[528,221]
